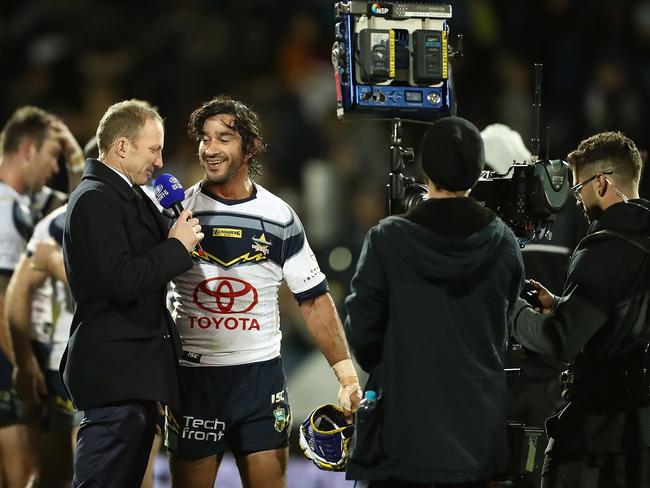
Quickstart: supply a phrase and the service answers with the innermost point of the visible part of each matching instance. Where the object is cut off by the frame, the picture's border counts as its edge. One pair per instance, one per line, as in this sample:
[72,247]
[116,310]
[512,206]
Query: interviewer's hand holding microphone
[187,230]
[170,195]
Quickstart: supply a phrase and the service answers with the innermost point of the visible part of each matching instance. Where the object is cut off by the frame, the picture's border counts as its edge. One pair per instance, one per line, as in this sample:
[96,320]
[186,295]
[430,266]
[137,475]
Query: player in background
[31,142]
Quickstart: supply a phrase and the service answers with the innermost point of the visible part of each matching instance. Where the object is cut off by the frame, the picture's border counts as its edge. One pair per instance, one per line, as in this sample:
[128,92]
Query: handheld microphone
[170,195]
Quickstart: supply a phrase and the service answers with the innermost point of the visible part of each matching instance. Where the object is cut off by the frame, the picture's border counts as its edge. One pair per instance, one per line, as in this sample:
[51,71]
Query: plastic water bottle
[368,402]
[367,429]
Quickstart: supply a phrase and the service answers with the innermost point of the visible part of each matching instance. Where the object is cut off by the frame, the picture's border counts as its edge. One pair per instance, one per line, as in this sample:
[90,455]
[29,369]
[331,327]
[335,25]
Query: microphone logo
[175,184]
[170,194]
[160,192]
[168,190]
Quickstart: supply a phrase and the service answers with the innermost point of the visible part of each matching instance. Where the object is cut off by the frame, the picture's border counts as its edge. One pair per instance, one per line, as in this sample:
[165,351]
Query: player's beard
[227,170]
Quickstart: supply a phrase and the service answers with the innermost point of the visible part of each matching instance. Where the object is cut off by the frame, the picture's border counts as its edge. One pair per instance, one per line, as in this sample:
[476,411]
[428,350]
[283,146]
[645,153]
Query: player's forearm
[323,323]
[18,312]
[5,344]
[22,348]
[18,319]
[5,338]
[19,329]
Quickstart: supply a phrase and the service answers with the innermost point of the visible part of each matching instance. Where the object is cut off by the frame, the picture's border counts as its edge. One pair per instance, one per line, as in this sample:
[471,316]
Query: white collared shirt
[122,175]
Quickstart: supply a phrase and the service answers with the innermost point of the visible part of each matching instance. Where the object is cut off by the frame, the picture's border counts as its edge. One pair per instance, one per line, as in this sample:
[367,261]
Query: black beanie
[452,154]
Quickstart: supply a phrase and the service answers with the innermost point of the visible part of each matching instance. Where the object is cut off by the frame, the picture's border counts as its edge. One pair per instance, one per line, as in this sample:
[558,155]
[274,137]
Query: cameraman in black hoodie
[600,325]
[427,320]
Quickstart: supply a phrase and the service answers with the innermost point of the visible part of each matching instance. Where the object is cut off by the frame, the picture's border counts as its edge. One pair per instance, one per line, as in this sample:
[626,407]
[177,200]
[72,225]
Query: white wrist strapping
[349,381]
[344,369]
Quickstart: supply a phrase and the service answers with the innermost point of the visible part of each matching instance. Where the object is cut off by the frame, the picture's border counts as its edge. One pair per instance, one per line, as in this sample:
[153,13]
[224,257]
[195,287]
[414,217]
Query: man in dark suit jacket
[123,350]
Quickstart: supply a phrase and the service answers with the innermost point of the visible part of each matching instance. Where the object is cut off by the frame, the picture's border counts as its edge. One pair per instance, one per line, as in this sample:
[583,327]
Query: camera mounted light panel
[392,58]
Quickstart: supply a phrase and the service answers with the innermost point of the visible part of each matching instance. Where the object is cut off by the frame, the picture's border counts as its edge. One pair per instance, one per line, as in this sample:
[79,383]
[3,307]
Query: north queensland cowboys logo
[260,244]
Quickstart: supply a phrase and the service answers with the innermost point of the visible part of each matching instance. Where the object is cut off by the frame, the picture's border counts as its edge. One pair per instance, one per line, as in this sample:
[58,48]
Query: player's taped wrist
[344,370]
[349,381]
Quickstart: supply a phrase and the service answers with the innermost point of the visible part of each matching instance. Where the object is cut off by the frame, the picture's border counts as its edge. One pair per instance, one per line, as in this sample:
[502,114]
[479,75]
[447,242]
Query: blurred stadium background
[76,57]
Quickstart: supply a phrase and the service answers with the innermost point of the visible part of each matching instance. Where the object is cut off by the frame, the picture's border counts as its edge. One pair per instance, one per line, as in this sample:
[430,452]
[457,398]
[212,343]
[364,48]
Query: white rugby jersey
[16,227]
[52,302]
[226,306]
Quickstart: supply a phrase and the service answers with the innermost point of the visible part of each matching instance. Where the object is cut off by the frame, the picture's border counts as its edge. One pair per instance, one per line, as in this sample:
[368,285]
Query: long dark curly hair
[246,124]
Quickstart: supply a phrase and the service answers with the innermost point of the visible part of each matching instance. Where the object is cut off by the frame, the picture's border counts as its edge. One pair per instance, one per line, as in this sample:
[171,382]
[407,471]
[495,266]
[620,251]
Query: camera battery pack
[429,56]
[376,54]
[526,445]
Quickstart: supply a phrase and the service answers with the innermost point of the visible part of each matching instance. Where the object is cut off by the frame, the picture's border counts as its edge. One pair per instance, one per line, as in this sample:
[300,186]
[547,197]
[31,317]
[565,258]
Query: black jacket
[427,319]
[605,300]
[123,344]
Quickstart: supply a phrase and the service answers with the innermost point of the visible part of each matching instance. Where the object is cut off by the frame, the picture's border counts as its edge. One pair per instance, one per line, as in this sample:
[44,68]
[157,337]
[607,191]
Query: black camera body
[527,196]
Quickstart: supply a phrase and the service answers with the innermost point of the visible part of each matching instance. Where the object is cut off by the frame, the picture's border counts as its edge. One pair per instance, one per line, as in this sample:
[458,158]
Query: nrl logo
[260,244]
[281,419]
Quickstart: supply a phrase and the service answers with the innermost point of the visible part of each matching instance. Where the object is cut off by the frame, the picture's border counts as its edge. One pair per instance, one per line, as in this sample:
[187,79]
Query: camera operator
[534,390]
[426,318]
[599,324]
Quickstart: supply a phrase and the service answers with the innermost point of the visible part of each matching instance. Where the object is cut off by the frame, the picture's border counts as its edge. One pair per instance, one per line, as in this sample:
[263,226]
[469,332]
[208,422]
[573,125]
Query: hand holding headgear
[350,391]
[325,436]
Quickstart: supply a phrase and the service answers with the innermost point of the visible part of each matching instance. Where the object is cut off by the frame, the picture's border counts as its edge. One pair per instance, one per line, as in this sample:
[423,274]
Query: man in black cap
[426,319]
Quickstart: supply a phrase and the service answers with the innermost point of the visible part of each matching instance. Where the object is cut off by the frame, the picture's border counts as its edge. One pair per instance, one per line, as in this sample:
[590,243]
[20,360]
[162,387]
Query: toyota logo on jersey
[225,295]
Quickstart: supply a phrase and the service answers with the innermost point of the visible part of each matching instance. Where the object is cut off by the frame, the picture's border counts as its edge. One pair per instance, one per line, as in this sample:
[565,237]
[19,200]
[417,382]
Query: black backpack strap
[641,328]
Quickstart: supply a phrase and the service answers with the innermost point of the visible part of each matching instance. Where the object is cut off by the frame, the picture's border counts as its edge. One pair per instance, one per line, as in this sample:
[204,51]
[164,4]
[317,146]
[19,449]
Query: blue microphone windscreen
[168,190]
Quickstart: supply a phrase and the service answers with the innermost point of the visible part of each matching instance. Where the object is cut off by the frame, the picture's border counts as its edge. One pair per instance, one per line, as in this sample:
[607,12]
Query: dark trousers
[113,445]
[393,483]
[597,470]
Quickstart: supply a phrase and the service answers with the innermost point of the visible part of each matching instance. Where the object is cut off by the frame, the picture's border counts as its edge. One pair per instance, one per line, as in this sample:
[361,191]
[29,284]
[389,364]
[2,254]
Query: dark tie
[138,191]
[146,206]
